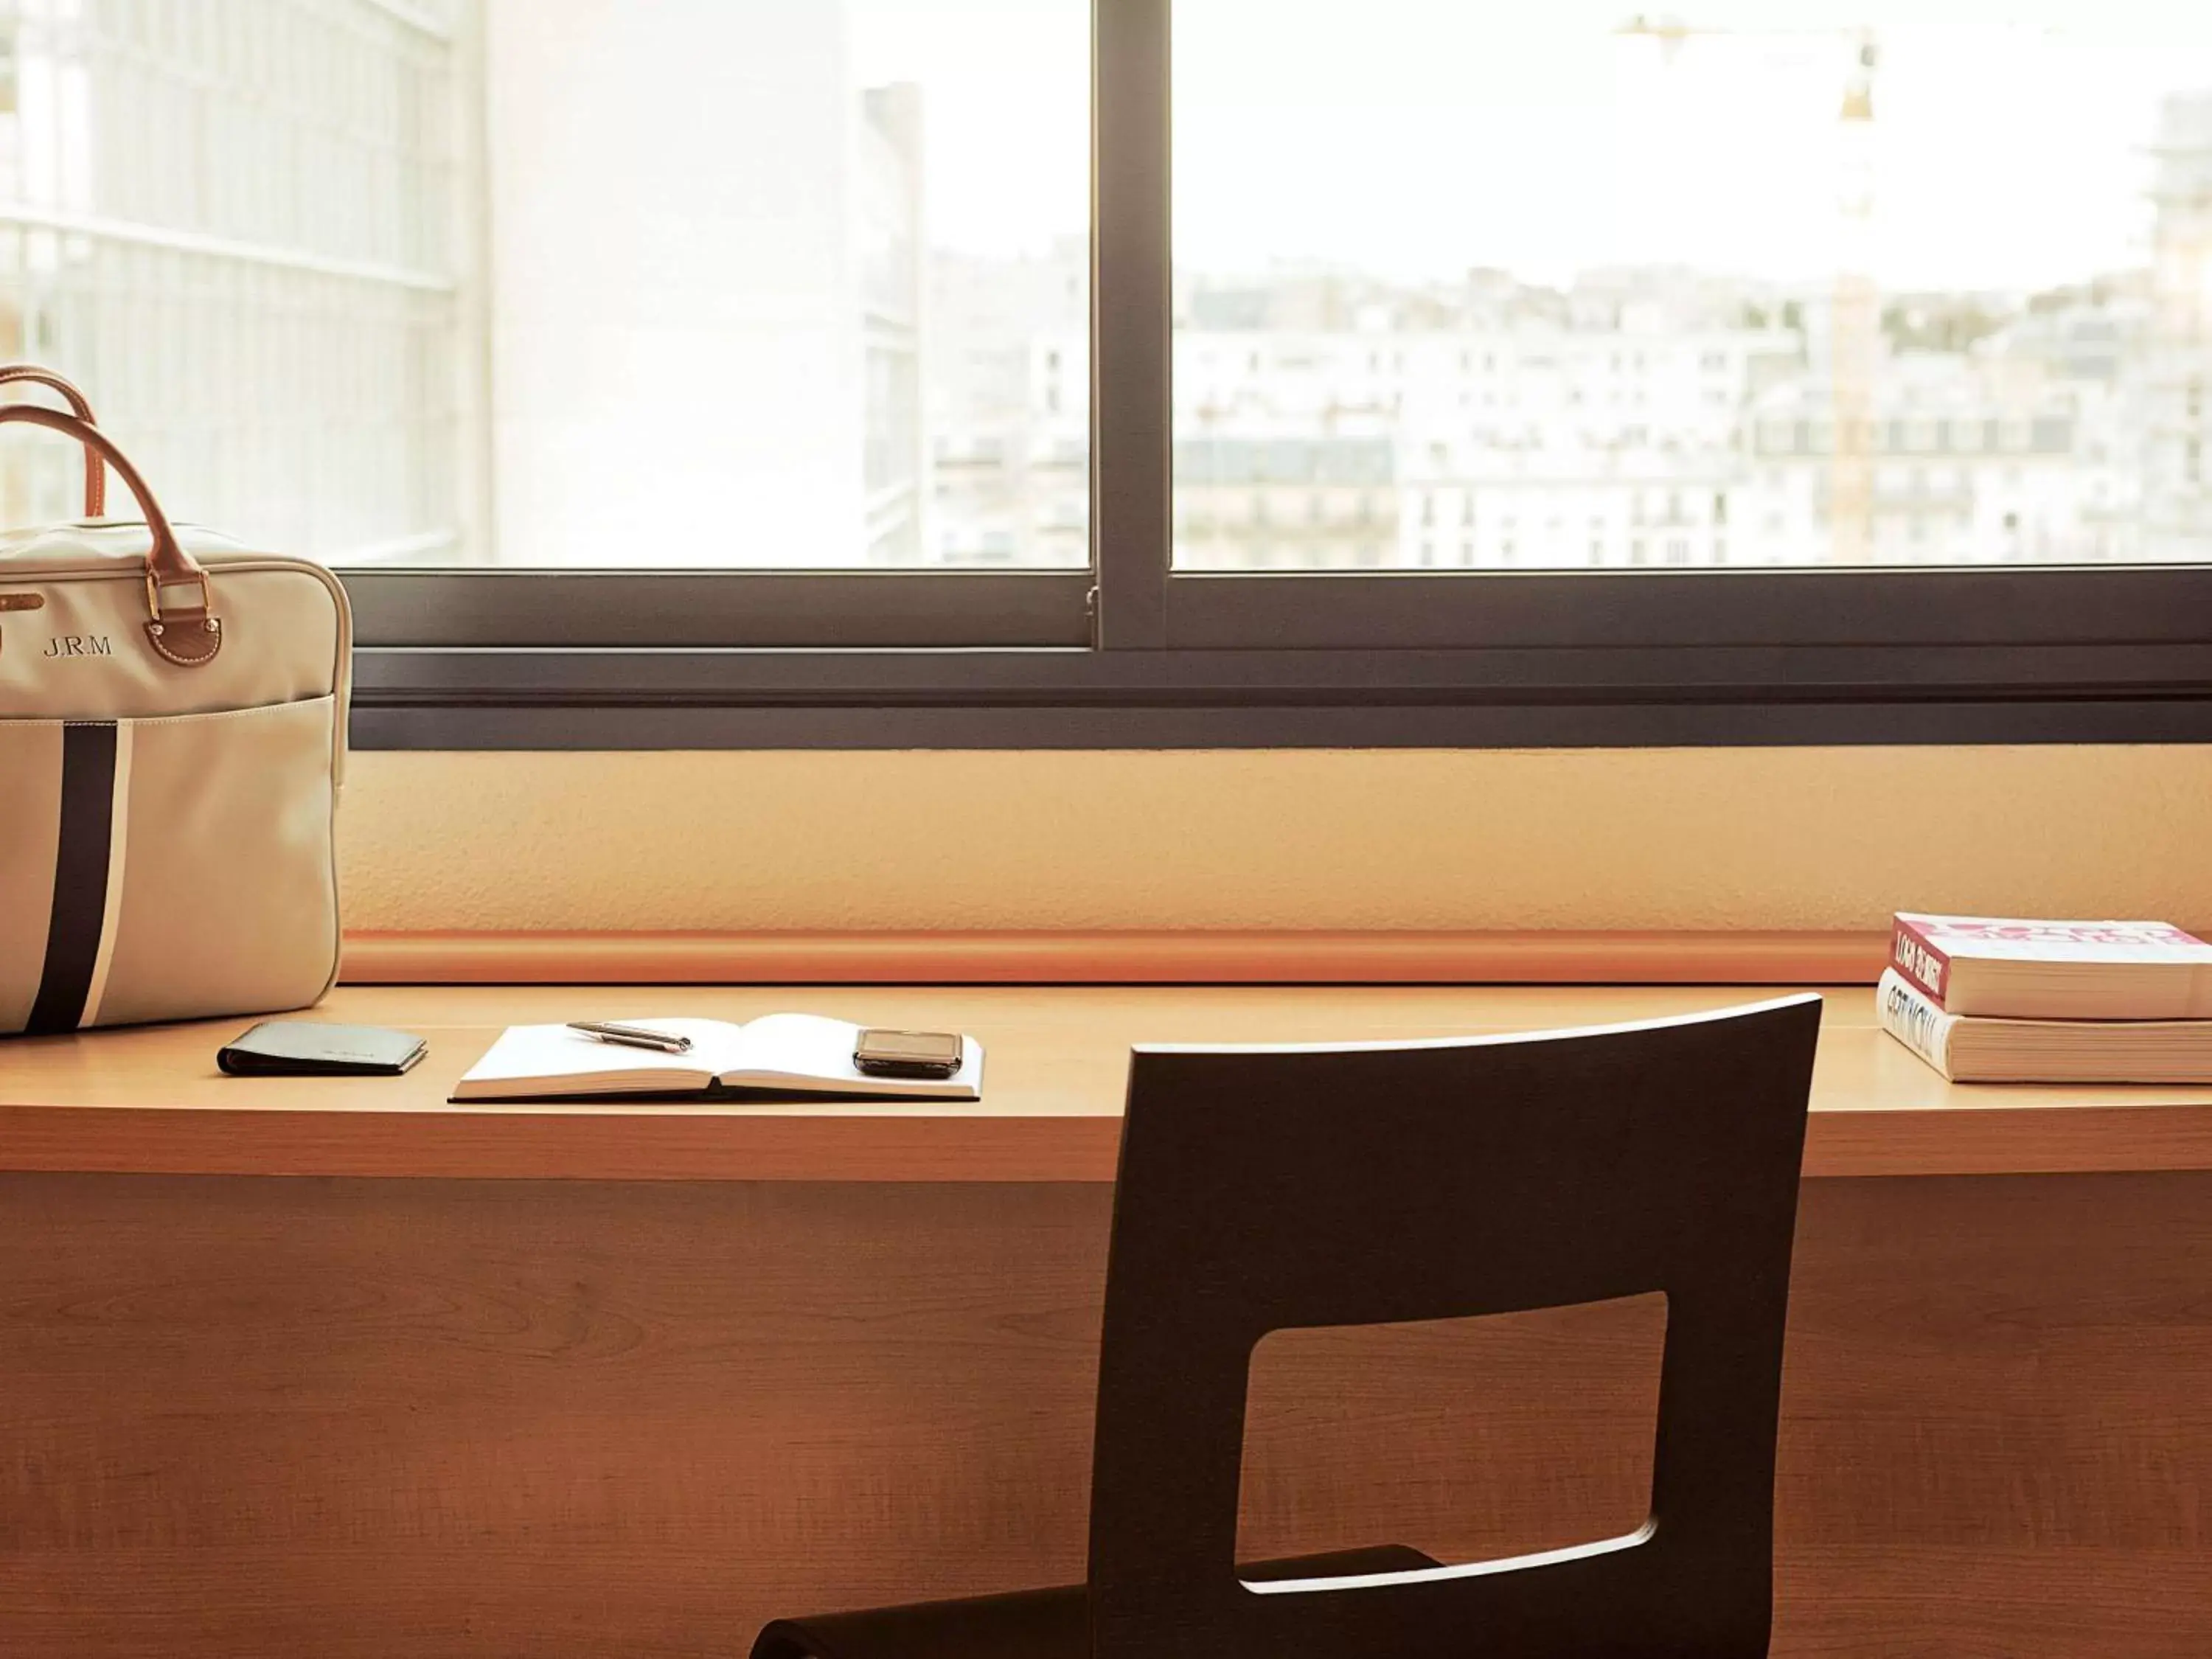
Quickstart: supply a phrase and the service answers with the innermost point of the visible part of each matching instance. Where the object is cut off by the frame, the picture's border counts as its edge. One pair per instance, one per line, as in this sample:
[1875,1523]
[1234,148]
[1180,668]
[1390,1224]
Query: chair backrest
[1266,1189]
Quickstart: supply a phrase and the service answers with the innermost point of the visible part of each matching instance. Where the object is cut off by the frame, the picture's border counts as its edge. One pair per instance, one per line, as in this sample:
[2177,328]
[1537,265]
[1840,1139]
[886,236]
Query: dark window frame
[1131,653]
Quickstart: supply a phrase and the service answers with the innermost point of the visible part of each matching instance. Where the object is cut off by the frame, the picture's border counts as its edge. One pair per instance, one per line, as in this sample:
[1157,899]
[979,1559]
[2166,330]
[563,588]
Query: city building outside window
[242,228]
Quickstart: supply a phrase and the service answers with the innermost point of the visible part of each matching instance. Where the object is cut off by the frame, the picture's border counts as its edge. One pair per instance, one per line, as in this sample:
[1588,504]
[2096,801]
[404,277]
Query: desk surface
[151,1100]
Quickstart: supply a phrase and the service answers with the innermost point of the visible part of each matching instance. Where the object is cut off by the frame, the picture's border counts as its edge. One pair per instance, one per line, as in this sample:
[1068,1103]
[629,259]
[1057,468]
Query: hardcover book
[2023,969]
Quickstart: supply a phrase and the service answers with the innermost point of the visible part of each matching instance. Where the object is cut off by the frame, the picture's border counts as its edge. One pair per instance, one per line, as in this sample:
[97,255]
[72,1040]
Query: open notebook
[776,1054]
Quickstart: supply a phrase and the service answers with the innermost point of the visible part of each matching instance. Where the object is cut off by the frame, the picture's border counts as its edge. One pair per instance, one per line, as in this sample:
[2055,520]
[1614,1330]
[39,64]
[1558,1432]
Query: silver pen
[633,1036]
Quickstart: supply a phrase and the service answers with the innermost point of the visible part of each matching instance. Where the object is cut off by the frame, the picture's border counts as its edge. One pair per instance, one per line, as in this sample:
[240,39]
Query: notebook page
[809,1047]
[807,1052]
[557,1054]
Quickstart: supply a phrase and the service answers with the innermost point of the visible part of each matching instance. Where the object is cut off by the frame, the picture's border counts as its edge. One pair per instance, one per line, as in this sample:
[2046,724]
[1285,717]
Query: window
[892,371]
[246,240]
[1853,297]
[427,283]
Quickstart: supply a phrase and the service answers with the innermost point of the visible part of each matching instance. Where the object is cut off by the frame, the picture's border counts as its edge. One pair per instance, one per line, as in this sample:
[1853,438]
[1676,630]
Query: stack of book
[1988,1001]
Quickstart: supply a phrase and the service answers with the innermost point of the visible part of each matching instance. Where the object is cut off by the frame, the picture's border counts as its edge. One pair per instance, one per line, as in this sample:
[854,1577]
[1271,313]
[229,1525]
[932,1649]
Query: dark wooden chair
[1264,1190]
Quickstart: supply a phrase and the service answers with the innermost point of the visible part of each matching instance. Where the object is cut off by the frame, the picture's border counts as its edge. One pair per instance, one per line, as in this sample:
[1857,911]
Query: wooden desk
[632,1379]
[151,1101]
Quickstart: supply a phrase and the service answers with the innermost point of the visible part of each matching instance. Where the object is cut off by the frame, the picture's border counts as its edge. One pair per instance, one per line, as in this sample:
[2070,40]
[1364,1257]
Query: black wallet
[292,1048]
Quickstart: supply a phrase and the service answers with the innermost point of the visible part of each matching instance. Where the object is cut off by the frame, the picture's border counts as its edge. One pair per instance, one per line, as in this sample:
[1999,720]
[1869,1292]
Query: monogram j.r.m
[79,645]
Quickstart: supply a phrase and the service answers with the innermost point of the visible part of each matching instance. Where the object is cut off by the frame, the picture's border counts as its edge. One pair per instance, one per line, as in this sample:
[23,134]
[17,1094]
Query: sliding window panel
[1462,292]
[441,288]
[241,228]
[789,284]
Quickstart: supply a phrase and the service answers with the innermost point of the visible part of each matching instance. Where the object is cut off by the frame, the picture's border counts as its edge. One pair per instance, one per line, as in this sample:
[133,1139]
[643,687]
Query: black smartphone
[909,1053]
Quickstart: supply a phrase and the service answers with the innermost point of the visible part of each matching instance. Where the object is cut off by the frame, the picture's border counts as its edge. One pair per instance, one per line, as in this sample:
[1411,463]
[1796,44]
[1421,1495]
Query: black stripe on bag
[80,878]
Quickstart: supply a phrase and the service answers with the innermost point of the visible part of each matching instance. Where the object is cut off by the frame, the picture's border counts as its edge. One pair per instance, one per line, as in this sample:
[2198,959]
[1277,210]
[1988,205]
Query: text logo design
[79,645]
[1922,964]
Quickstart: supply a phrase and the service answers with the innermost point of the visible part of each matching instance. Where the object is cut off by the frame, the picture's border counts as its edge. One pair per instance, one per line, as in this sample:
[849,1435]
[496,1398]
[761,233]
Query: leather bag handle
[186,635]
[95,475]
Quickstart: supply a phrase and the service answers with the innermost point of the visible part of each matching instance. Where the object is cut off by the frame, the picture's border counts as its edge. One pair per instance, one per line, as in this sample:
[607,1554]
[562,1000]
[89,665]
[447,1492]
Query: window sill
[599,698]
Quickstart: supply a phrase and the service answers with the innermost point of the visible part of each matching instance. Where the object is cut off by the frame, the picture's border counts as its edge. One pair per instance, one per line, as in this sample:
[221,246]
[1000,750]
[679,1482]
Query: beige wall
[1477,839]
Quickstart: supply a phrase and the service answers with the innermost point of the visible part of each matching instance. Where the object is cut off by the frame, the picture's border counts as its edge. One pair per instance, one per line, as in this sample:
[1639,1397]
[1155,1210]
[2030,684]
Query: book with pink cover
[2015,969]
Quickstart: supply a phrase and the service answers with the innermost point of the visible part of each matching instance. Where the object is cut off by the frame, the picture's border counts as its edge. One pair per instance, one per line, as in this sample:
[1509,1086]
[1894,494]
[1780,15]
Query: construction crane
[1854,332]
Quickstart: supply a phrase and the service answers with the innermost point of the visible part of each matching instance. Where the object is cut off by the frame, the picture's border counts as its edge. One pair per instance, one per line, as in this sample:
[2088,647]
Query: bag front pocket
[172,868]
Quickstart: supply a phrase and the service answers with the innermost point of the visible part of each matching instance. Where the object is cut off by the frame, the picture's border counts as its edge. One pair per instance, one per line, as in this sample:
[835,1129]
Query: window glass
[238,227]
[1761,284]
[564,283]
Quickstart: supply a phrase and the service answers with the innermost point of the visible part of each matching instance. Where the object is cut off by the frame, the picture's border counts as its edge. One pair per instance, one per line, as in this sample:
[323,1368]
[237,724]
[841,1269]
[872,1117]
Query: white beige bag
[173,719]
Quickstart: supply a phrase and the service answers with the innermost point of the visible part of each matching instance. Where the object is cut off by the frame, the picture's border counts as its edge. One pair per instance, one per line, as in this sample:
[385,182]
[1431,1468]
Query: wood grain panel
[254,1417]
[1194,957]
[345,1418]
[2044,1349]
[1469,1439]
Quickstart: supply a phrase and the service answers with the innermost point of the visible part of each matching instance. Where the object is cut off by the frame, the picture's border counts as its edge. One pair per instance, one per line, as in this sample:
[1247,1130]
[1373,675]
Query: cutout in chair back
[1469,1439]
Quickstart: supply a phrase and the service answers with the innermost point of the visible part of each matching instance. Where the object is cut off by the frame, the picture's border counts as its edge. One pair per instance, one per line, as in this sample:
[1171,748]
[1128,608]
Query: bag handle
[186,635]
[95,475]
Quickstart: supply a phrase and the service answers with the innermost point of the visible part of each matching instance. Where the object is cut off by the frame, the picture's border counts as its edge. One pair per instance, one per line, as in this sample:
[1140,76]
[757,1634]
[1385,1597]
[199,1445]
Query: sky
[1416,138]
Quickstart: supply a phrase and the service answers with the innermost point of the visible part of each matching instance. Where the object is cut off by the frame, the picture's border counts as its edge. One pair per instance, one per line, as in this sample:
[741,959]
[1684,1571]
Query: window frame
[1133,653]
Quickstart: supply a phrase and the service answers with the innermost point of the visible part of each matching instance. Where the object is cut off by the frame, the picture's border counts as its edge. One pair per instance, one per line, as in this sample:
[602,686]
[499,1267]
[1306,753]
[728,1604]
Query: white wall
[675,355]
[1696,838]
